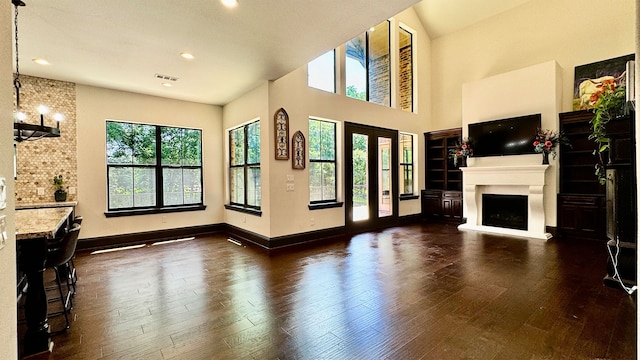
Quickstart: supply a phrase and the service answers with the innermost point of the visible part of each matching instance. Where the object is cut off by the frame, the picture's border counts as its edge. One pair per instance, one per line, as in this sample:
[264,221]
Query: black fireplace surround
[505,211]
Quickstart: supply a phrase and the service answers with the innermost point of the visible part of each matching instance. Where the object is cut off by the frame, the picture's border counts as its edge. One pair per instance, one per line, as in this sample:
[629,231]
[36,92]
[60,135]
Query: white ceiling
[122,44]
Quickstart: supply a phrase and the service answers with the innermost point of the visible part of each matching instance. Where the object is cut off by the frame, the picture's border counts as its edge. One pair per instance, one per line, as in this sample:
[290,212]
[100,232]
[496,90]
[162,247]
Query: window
[406,163]
[406,69]
[244,171]
[321,72]
[152,167]
[322,161]
[368,69]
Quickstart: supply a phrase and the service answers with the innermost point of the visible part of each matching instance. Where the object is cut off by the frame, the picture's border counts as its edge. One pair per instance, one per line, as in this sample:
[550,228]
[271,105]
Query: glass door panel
[371,186]
[360,176]
[385,194]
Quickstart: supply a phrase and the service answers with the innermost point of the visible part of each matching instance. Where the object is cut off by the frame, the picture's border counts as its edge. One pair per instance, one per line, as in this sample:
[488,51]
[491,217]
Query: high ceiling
[123,44]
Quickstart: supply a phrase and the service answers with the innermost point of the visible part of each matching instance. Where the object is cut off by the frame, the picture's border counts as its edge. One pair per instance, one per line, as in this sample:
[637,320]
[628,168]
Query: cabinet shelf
[442,198]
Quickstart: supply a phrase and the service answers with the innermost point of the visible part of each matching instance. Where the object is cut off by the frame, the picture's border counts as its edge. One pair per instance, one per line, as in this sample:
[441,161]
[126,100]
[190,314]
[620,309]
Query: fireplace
[505,211]
[527,181]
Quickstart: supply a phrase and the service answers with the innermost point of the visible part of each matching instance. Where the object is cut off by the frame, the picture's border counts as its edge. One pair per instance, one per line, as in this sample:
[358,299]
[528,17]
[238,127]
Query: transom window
[322,161]
[244,166]
[153,167]
[405,63]
[321,72]
[368,66]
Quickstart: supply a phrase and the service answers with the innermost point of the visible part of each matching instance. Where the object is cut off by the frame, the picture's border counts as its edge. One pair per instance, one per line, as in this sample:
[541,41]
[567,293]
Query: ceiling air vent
[166,77]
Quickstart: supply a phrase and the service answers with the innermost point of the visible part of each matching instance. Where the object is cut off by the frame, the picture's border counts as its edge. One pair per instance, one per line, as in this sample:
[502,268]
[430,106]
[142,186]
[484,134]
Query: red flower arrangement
[462,149]
[547,140]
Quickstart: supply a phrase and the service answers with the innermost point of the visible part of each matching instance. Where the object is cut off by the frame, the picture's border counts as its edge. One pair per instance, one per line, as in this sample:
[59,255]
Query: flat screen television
[512,136]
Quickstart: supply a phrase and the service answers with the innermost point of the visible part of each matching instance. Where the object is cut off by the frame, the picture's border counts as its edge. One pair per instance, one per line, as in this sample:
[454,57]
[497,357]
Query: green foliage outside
[135,145]
[322,168]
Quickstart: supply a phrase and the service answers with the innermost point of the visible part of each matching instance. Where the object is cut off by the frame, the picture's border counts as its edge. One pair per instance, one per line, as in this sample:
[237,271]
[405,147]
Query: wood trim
[104,242]
[245,237]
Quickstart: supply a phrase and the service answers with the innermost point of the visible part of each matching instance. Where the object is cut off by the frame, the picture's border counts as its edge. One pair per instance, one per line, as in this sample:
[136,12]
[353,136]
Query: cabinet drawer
[452,195]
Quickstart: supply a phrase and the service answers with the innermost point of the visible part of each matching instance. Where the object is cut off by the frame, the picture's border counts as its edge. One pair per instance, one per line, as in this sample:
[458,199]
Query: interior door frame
[374,222]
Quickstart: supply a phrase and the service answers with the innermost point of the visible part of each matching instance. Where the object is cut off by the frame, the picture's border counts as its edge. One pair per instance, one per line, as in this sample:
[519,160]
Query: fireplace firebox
[505,211]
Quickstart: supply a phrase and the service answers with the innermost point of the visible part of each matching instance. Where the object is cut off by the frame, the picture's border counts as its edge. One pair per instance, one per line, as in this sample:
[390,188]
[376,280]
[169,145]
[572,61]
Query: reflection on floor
[414,292]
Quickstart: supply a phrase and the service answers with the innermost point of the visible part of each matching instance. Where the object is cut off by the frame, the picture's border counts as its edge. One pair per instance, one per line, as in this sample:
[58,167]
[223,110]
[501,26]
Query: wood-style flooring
[415,292]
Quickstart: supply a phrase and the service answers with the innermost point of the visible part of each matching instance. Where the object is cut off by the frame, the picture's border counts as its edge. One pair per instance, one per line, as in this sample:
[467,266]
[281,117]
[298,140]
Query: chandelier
[22,130]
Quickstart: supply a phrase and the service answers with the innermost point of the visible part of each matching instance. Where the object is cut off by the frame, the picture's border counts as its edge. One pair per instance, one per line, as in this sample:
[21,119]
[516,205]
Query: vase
[60,195]
[545,158]
[463,161]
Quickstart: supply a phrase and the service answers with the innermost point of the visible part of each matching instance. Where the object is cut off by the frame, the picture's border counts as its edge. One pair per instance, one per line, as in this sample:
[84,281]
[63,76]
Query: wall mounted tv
[512,136]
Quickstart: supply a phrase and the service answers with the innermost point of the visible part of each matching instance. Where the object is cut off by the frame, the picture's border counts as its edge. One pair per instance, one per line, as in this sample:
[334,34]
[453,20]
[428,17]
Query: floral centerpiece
[547,140]
[461,151]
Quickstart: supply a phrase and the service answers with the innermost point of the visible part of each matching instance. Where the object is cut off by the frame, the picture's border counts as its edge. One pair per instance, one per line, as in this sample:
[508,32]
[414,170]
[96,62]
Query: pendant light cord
[16,80]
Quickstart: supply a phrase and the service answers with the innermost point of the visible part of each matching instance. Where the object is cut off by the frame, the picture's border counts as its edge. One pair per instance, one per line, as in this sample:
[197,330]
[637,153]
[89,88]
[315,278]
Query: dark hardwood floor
[414,292]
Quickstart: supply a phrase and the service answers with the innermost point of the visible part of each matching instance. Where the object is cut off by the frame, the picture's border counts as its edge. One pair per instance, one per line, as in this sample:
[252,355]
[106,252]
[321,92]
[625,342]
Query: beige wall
[249,107]
[94,107]
[533,90]
[8,333]
[289,210]
[570,32]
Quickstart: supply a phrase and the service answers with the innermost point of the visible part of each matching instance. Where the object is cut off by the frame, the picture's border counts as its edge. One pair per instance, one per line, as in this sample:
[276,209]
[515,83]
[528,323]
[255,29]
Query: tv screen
[512,136]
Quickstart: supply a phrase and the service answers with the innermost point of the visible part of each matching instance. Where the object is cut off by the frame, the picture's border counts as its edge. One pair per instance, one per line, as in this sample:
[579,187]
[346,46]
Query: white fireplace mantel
[519,180]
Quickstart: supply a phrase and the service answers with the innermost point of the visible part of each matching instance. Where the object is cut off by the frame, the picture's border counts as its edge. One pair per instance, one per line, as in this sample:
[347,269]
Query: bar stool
[72,266]
[58,258]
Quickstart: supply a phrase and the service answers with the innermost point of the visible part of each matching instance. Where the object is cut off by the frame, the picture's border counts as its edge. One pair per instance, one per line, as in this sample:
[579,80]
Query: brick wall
[380,81]
[406,79]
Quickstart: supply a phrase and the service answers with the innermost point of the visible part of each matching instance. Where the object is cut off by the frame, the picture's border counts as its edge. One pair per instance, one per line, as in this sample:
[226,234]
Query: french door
[371,185]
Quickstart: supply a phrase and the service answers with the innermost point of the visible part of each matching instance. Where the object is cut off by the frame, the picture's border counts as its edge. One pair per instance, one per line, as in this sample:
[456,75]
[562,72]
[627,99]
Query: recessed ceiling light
[229,3]
[167,84]
[186,55]
[40,61]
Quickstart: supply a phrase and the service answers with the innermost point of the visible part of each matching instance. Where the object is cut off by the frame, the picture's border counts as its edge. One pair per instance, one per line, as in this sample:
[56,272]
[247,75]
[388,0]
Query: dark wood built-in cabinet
[581,201]
[442,198]
[589,210]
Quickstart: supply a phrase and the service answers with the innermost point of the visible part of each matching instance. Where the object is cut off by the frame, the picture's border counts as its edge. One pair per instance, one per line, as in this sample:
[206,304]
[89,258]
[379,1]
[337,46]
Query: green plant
[610,104]
[58,183]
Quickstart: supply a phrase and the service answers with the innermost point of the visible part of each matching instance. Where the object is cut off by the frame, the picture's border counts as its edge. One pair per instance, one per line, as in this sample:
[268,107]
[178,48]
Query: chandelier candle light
[26,131]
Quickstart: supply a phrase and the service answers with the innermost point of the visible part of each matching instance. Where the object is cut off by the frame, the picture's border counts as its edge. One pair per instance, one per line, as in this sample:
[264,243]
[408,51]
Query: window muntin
[244,163]
[406,163]
[322,161]
[368,69]
[405,64]
[141,156]
[321,72]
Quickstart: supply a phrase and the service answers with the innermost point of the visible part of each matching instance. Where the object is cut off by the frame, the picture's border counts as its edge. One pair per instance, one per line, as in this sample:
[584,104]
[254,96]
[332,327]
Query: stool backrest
[66,249]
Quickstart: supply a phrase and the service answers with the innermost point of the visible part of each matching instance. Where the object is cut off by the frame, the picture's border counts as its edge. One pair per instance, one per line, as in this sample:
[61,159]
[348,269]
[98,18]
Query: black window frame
[319,203]
[244,207]
[367,58]
[402,166]
[412,83]
[159,206]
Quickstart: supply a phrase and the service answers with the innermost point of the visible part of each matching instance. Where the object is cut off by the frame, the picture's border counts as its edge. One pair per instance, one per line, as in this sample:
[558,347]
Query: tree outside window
[244,166]
[140,156]
[322,161]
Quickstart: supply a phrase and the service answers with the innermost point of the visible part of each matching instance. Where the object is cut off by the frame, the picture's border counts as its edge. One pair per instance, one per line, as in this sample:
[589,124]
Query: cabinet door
[431,204]
[452,205]
[581,217]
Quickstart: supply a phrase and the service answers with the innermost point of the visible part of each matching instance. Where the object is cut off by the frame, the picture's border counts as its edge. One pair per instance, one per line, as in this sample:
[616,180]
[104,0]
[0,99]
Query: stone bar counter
[34,227]
[41,222]
[52,204]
